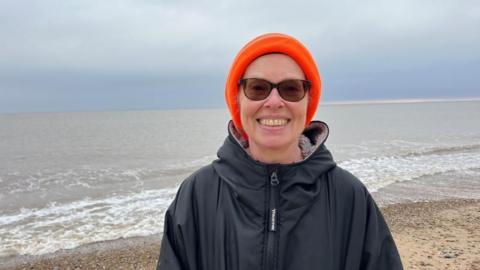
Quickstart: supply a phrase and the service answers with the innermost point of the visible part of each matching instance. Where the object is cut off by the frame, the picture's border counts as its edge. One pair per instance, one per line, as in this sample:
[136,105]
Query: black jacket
[241,214]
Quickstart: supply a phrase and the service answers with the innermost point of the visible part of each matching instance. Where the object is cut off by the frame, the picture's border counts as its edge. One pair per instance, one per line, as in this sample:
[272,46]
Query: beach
[437,235]
[429,235]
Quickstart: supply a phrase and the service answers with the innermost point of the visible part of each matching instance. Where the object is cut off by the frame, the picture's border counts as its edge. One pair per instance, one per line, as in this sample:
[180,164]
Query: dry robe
[240,214]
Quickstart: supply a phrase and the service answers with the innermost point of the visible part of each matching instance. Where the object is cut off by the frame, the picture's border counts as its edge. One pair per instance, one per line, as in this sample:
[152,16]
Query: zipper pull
[274,179]
[273,220]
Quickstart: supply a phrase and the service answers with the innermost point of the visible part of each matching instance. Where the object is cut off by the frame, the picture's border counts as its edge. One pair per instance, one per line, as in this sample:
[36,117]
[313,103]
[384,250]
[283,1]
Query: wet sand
[429,235]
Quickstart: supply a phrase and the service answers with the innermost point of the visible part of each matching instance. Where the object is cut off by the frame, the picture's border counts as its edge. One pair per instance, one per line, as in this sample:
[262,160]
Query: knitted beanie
[265,44]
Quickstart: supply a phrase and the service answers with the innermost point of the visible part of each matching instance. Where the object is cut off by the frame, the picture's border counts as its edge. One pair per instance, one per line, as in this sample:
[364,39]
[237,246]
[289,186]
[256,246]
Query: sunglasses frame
[306,86]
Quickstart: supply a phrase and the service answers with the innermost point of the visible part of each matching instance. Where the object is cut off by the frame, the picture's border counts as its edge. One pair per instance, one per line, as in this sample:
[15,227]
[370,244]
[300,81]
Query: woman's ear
[237,98]
[309,96]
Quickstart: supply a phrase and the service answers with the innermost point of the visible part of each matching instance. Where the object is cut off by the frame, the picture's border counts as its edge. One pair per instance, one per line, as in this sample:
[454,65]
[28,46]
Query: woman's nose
[274,99]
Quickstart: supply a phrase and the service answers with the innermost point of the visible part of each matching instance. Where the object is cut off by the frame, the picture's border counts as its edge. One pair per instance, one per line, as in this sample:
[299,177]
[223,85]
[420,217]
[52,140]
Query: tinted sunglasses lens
[292,90]
[256,89]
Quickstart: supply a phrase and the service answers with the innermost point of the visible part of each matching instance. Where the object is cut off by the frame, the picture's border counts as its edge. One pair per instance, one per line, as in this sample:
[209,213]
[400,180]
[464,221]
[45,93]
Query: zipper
[272,221]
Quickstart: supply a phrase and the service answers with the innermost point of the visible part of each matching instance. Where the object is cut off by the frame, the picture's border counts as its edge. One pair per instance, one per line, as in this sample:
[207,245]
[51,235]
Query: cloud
[158,35]
[188,40]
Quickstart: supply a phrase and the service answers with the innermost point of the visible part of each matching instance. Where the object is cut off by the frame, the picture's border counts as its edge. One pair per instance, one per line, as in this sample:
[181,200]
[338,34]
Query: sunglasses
[292,90]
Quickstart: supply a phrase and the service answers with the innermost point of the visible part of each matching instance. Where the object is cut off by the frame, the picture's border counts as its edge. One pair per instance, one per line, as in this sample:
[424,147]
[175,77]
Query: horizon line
[325,103]
[398,101]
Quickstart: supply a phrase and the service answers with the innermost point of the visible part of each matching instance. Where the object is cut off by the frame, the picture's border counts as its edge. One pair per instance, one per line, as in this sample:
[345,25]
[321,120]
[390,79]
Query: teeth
[273,122]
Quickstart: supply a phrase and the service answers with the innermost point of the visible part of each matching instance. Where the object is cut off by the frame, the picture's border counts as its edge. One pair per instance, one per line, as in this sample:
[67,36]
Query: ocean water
[68,179]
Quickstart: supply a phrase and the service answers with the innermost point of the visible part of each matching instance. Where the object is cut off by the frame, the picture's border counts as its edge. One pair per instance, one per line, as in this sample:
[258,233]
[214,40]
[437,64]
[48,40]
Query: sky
[105,55]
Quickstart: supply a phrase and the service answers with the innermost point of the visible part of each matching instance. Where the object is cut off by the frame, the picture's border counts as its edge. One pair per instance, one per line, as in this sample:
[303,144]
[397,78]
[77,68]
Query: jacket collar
[298,181]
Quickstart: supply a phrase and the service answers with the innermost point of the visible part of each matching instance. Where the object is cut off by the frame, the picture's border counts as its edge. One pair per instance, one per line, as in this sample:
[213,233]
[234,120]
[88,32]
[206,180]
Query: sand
[438,235]
[429,235]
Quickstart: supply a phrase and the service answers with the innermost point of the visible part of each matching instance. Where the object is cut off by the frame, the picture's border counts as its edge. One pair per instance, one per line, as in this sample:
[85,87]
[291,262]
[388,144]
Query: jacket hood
[298,181]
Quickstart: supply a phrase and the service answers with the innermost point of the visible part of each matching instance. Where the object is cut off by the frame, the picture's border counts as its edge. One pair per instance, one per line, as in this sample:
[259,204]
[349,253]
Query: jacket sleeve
[169,252]
[178,248]
[380,251]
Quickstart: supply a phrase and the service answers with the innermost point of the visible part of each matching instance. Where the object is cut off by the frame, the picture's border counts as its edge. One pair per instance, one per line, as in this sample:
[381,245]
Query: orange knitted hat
[265,44]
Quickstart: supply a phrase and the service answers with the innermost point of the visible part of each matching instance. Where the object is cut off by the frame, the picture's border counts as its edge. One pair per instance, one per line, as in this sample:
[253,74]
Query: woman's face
[273,124]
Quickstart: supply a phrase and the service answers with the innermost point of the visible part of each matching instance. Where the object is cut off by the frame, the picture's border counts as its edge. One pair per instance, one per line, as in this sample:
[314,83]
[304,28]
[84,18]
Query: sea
[72,178]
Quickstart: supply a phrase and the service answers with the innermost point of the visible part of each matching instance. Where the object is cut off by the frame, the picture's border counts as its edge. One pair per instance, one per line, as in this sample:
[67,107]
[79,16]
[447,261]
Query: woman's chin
[272,144]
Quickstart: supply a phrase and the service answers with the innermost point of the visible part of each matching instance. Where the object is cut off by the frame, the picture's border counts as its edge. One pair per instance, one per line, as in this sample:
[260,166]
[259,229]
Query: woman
[274,198]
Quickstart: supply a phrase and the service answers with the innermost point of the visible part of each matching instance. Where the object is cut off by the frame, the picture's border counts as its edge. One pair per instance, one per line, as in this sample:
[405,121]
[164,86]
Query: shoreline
[139,252]
[441,234]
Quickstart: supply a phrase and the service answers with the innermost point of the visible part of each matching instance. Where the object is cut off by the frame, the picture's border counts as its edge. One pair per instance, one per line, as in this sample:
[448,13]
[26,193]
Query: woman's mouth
[273,122]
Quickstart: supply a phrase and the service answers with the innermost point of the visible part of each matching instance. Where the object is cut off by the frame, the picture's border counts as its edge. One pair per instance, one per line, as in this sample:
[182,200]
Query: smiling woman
[274,124]
[274,198]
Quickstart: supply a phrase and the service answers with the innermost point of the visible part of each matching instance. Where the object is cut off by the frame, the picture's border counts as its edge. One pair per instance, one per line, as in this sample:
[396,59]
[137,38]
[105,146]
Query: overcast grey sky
[130,55]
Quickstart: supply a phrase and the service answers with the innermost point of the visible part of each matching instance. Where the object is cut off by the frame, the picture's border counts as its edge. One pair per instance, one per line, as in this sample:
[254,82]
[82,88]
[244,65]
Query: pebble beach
[436,235]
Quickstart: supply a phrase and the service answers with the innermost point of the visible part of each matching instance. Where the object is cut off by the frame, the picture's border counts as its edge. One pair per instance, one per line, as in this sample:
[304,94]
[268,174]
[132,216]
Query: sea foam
[63,226]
